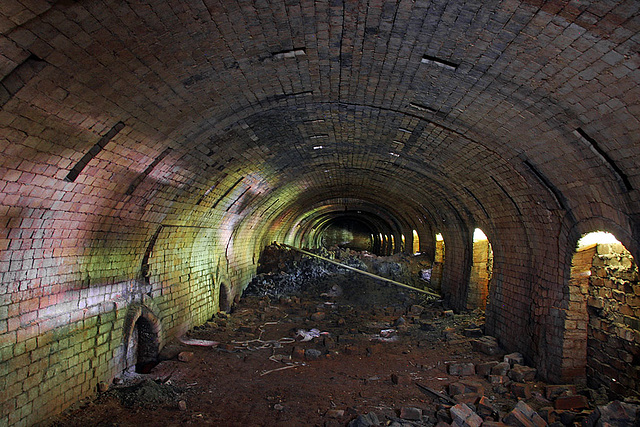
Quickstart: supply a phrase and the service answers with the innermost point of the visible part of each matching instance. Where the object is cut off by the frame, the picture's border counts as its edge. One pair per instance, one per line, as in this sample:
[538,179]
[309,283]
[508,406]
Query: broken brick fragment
[571,402]
[484,369]
[485,409]
[501,368]
[463,415]
[554,391]
[410,413]
[185,356]
[520,373]
[521,390]
[514,359]
[524,416]
[462,369]
[487,345]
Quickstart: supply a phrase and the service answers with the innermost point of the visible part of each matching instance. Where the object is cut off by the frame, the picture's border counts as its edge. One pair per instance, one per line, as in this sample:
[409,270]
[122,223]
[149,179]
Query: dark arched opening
[147,343]
[347,232]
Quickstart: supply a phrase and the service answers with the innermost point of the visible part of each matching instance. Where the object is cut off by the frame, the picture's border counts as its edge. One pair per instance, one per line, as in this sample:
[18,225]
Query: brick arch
[573,305]
[144,326]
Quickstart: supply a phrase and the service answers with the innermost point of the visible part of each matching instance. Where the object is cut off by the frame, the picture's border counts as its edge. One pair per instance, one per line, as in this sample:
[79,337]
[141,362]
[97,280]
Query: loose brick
[571,402]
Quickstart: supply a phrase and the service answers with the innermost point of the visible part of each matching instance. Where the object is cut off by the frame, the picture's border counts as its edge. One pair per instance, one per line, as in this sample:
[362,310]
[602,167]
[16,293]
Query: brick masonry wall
[529,127]
[613,303]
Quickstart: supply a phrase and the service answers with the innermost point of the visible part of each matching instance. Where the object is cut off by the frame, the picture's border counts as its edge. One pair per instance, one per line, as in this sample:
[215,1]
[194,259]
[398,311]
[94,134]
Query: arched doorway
[481,271]
[604,277]
[438,263]
[143,338]
[416,242]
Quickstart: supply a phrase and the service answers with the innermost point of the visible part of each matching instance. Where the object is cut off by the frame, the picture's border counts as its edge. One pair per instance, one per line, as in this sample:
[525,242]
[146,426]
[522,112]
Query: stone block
[618,413]
[520,373]
[462,369]
[498,379]
[571,402]
[501,368]
[473,387]
[485,408]
[463,415]
[411,413]
[521,390]
[456,388]
[554,391]
[484,369]
[487,345]
[524,416]
[548,414]
[467,398]
[514,358]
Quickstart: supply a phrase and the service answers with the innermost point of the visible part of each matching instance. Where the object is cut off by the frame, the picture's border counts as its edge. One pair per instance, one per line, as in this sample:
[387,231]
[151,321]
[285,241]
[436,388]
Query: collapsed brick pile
[283,271]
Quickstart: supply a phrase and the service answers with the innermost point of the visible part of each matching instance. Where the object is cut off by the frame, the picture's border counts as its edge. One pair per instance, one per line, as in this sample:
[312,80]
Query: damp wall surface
[70,310]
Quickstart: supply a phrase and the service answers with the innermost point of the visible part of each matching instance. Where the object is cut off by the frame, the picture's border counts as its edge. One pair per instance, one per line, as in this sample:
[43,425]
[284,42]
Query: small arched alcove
[143,339]
[606,322]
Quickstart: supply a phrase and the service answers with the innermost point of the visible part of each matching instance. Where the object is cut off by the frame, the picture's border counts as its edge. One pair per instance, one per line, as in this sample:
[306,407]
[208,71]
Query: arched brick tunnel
[152,149]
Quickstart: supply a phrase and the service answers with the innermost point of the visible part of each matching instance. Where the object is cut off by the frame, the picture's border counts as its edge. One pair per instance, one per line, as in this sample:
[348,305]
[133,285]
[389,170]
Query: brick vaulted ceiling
[496,110]
[252,117]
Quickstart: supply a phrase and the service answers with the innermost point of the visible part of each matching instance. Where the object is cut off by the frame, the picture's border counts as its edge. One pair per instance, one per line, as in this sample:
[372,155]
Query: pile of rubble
[282,271]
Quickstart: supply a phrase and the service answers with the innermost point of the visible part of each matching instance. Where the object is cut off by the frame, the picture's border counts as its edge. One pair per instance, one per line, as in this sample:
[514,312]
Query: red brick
[571,402]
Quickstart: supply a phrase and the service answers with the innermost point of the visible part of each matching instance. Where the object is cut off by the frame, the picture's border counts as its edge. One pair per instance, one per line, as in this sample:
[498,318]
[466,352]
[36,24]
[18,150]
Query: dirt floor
[347,347]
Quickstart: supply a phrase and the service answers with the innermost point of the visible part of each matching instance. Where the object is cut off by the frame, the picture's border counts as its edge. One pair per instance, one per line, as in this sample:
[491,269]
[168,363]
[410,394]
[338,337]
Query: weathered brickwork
[242,123]
[613,303]
[480,275]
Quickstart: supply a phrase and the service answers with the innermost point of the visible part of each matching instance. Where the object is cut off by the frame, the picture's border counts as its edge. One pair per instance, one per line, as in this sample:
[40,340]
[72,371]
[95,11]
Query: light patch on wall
[478,235]
[439,237]
[288,53]
[597,237]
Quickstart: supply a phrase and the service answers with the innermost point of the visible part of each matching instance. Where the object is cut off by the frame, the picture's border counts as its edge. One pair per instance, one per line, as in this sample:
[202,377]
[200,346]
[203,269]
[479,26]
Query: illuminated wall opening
[438,263]
[481,271]
[603,323]
[416,242]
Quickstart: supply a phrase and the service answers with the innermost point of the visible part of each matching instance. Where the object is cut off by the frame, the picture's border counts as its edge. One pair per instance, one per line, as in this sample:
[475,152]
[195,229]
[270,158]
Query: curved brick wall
[150,150]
